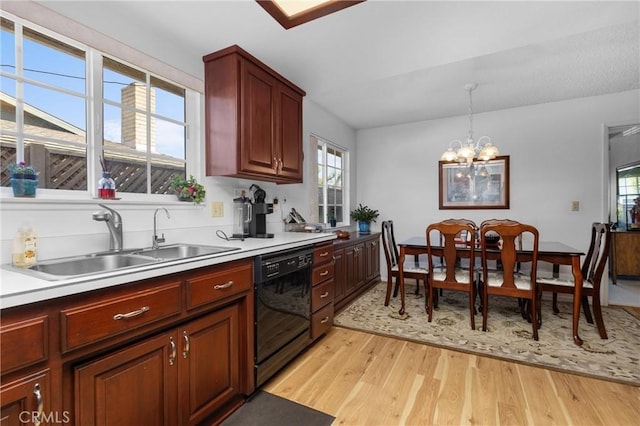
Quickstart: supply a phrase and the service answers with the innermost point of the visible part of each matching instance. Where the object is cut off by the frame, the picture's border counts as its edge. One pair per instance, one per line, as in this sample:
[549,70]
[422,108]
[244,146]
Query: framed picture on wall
[479,185]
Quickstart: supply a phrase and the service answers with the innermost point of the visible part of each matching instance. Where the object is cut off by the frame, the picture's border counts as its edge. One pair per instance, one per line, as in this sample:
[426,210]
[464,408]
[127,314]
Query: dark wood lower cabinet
[178,377]
[174,350]
[357,267]
[136,385]
[27,401]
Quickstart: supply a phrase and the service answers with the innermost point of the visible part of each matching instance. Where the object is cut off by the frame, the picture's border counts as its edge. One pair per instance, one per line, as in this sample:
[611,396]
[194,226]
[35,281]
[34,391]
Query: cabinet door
[354,267]
[27,401]
[133,386]
[258,133]
[626,253]
[372,249]
[289,134]
[209,363]
[339,275]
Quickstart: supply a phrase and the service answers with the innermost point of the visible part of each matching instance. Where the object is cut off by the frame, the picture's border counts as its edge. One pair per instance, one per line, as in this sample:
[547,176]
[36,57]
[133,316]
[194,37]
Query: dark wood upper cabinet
[253,119]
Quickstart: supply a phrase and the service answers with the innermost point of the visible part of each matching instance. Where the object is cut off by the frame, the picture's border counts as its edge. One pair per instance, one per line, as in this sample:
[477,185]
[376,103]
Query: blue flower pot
[24,187]
[364,227]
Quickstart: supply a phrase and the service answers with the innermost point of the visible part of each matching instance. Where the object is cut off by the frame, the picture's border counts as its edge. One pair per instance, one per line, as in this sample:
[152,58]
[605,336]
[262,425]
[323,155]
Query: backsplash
[67,228]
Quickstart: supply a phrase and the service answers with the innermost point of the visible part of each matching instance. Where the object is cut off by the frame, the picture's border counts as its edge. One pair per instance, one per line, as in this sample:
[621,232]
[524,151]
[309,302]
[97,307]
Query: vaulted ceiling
[381,63]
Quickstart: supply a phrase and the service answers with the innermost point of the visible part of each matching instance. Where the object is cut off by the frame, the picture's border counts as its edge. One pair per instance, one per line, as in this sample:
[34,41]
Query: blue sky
[65,70]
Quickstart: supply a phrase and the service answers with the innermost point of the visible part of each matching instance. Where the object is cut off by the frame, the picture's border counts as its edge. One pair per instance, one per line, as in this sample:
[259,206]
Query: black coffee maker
[259,212]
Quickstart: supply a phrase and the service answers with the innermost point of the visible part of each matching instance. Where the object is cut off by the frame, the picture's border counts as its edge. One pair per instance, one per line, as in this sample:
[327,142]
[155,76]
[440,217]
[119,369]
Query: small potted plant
[188,189]
[332,219]
[364,215]
[24,179]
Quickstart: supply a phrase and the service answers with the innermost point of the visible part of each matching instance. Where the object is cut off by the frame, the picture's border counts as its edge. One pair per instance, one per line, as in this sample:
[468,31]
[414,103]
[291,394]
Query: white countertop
[20,289]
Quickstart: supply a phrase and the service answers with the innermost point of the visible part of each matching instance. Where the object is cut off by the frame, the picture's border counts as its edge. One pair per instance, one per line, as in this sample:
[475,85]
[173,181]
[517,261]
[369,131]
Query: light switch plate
[575,206]
[217,209]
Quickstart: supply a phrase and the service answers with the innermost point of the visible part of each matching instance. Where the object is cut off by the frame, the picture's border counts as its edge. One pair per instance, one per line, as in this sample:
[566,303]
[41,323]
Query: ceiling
[382,63]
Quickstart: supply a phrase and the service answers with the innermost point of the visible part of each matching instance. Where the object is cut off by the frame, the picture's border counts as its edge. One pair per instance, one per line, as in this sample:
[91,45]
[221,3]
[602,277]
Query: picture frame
[480,185]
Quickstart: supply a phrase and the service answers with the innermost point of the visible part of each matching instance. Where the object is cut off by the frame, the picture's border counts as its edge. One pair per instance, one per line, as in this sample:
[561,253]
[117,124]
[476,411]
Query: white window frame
[315,142]
[94,126]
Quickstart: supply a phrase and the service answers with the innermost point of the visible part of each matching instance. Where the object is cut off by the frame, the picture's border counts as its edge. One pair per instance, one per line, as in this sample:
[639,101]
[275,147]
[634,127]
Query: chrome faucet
[114,222]
[157,239]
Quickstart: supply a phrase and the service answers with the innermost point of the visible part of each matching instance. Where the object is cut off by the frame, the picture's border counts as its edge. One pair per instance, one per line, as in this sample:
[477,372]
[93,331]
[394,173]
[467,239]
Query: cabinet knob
[39,404]
[172,356]
[131,314]
[275,165]
[185,351]
[323,295]
[324,320]
[324,273]
[223,286]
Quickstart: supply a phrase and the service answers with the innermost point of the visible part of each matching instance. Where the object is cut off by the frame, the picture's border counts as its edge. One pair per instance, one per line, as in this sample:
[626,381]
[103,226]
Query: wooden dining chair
[415,269]
[510,281]
[448,274]
[592,270]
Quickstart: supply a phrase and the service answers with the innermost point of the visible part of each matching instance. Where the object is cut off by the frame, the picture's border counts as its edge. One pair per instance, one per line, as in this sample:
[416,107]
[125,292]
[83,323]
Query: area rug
[509,336]
[265,409]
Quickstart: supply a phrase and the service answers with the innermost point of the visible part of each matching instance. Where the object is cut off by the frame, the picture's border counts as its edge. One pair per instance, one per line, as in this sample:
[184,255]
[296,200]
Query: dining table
[553,252]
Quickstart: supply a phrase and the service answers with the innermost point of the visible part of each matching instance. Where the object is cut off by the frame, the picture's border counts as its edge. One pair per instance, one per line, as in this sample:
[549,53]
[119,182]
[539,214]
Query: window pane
[8,110]
[320,196]
[169,99]
[128,171]
[117,78]
[168,138]
[339,217]
[331,196]
[7,47]
[332,175]
[54,110]
[53,62]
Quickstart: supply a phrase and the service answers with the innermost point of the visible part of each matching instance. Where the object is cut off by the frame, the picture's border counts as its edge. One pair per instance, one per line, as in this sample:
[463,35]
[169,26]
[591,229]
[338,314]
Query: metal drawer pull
[131,314]
[223,286]
[185,337]
[324,273]
[323,295]
[39,404]
[326,253]
[172,357]
[324,320]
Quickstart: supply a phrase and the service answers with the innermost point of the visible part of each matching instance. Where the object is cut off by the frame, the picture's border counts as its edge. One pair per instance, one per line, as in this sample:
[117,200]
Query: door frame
[606,190]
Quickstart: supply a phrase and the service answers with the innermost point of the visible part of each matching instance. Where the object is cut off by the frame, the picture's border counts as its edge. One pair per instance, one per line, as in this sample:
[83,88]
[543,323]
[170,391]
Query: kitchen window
[64,105]
[332,177]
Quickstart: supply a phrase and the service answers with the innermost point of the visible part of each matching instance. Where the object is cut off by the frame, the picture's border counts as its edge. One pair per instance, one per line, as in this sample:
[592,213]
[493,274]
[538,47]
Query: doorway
[623,142]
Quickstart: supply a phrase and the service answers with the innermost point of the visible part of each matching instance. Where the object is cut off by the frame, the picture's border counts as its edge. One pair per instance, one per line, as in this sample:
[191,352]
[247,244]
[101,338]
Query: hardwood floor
[365,379]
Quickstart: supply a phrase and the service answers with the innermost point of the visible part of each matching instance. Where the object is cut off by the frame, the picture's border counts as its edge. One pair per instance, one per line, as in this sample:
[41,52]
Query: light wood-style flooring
[364,379]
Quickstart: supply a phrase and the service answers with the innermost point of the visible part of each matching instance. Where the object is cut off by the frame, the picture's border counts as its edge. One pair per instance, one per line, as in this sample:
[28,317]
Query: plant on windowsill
[364,215]
[187,189]
[24,179]
[332,219]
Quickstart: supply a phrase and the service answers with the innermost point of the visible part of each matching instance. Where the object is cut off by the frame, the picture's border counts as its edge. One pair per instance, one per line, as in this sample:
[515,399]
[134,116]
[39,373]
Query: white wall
[556,154]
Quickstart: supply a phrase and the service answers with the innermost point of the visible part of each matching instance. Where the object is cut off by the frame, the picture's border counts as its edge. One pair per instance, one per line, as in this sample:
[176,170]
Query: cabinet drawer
[85,324]
[323,253]
[321,295]
[322,273]
[321,321]
[218,284]
[23,343]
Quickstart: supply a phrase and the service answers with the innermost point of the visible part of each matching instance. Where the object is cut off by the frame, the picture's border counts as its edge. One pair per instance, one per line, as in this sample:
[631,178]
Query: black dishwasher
[282,309]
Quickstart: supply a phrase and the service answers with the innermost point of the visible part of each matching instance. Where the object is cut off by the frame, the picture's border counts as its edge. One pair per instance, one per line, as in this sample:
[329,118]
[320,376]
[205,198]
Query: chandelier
[482,149]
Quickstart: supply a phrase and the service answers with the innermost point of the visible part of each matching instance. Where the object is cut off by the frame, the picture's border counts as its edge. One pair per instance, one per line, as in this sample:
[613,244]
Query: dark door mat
[265,409]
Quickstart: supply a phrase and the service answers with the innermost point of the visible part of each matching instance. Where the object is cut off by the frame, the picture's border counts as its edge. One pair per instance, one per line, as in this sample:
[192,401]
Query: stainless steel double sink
[97,263]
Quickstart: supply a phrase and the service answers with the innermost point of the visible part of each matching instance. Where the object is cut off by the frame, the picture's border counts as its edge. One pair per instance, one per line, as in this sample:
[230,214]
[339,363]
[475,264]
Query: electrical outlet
[575,206]
[217,209]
